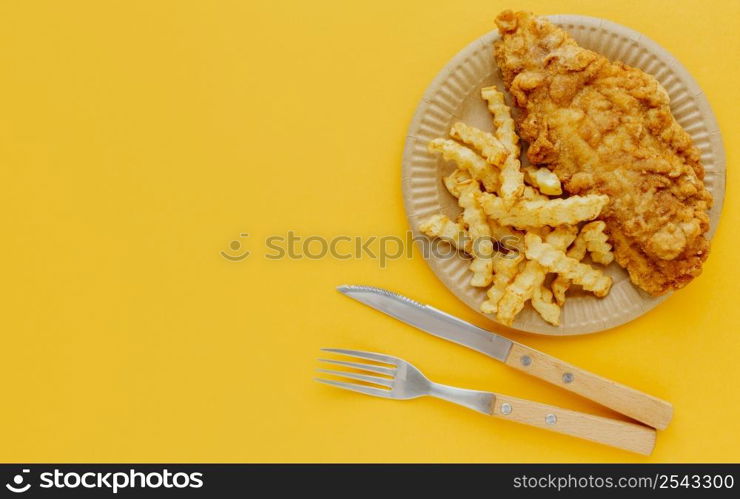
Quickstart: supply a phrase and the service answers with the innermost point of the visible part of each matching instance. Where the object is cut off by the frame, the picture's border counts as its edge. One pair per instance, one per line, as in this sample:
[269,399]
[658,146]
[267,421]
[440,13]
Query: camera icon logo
[235,252]
[17,485]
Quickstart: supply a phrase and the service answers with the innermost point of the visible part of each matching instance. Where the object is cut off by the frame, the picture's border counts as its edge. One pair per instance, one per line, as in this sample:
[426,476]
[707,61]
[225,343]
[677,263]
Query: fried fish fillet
[606,128]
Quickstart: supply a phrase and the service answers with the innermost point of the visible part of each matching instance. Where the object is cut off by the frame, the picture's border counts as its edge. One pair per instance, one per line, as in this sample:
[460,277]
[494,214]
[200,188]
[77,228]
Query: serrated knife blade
[431,320]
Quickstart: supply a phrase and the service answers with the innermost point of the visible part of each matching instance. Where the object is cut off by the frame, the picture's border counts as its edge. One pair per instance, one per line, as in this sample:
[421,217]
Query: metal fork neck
[472,399]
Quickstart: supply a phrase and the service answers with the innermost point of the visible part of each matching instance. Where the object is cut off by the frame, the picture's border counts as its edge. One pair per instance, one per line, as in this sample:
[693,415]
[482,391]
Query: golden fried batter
[605,127]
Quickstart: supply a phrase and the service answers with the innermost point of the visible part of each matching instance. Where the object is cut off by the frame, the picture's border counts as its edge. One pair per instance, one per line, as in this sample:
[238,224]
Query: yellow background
[139,138]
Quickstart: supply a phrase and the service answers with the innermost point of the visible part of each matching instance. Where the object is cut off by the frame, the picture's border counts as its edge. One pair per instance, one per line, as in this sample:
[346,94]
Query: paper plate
[454,95]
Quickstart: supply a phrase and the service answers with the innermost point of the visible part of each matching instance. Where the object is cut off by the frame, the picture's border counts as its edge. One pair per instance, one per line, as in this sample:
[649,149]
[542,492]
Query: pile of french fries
[525,243]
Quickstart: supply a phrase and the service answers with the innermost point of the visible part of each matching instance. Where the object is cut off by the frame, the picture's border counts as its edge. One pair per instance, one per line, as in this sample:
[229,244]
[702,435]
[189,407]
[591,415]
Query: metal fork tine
[366,367]
[361,377]
[386,359]
[356,388]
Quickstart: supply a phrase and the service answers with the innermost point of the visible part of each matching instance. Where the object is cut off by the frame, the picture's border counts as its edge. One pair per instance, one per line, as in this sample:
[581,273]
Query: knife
[623,399]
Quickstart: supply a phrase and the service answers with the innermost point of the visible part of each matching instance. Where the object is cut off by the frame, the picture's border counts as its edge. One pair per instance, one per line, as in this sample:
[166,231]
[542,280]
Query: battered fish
[605,127]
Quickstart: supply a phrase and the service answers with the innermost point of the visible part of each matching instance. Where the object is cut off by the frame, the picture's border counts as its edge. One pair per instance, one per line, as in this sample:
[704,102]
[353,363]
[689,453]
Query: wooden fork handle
[620,434]
[633,403]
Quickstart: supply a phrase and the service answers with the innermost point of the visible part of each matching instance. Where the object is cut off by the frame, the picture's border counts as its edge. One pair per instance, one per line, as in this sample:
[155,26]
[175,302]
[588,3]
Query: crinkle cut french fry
[542,302]
[476,220]
[512,178]
[555,260]
[561,237]
[553,212]
[484,143]
[442,227]
[457,181]
[544,179]
[532,194]
[596,242]
[518,292]
[482,269]
[561,283]
[531,277]
[502,120]
[505,269]
[482,248]
[468,160]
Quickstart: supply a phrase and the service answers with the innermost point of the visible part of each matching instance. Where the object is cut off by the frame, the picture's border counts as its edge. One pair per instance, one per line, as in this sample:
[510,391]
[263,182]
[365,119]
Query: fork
[400,380]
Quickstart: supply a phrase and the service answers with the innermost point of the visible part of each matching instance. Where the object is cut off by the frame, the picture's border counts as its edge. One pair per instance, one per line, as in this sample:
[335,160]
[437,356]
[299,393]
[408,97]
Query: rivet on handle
[567,378]
[526,360]
[551,419]
[505,409]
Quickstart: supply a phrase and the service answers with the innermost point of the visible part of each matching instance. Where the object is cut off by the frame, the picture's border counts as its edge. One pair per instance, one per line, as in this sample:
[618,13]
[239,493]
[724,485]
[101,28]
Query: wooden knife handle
[620,434]
[633,403]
